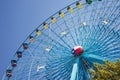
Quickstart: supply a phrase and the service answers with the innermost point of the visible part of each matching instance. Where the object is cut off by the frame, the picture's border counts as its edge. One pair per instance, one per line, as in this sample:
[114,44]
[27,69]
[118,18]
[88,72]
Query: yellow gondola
[53,20]
[79,5]
[38,32]
[61,14]
[70,9]
[45,25]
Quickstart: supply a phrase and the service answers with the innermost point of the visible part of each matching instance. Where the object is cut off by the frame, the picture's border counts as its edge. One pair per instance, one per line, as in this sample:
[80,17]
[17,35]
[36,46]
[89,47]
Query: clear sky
[18,18]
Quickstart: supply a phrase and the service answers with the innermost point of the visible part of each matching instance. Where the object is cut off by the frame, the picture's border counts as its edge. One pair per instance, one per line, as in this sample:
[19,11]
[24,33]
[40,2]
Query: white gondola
[63,33]
[48,49]
[105,22]
[84,23]
[39,67]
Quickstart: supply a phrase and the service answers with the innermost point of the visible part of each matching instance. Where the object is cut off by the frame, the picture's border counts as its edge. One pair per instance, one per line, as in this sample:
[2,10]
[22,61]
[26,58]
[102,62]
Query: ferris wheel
[69,42]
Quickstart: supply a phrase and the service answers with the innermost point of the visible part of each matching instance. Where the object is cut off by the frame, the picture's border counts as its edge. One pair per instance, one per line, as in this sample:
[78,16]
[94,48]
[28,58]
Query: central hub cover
[77,50]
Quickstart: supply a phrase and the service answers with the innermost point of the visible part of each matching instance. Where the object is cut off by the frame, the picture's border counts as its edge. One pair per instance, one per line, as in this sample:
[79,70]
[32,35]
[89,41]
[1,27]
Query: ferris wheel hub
[77,50]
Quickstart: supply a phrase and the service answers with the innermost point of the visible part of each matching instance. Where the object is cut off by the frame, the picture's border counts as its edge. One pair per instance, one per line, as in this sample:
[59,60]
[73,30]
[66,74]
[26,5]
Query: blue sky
[18,18]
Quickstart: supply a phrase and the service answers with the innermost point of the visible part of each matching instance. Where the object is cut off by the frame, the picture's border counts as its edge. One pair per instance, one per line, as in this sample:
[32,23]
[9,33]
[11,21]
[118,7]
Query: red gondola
[25,46]
[13,63]
[19,54]
[9,73]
